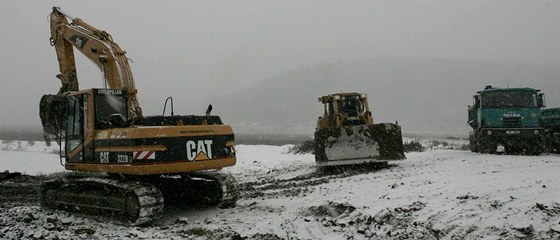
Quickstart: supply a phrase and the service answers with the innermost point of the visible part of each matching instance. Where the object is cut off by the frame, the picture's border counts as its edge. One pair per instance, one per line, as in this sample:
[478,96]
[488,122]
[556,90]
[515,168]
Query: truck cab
[509,117]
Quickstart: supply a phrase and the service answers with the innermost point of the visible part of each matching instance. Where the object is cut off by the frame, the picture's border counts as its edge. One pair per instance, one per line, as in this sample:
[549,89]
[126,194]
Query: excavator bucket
[358,144]
[51,111]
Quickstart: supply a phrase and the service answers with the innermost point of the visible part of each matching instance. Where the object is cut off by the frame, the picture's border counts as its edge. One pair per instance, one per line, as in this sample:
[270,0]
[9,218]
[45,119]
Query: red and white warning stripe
[144,155]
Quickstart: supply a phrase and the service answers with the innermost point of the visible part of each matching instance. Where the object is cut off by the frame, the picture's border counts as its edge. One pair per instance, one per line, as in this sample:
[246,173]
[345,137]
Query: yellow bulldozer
[345,134]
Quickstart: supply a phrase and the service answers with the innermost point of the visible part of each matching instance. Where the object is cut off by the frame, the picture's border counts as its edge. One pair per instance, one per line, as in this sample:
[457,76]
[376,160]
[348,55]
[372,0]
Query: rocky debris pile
[7,174]
[401,223]
[552,214]
[32,222]
[17,189]
[396,223]
[331,209]
[28,222]
[551,210]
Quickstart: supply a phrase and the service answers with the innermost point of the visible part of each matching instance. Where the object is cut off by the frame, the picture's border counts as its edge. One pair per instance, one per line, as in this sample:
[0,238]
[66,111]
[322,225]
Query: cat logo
[79,41]
[199,150]
[104,157]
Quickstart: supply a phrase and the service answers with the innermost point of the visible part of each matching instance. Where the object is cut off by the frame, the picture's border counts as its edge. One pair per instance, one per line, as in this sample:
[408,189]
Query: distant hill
[15,132]
[422,95]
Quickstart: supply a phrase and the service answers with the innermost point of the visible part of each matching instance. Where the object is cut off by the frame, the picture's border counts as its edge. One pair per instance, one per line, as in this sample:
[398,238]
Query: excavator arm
[98,46]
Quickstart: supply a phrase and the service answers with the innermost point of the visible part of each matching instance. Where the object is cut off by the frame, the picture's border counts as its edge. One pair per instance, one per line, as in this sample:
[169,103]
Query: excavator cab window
[109,105]
[74,122]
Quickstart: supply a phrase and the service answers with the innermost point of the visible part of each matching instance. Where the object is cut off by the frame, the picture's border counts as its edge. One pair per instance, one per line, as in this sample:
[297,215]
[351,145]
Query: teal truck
[550,121]
[510,117]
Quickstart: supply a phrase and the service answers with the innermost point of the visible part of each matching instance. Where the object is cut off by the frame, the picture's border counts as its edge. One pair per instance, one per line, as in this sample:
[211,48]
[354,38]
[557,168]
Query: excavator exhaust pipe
[52,110]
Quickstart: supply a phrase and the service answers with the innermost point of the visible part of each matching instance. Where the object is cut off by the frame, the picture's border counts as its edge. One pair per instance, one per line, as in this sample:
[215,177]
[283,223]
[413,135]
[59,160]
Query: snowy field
[436,194]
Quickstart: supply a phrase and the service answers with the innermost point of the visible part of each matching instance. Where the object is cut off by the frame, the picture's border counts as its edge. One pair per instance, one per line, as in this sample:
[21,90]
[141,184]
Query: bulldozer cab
[344,109]
[351,105]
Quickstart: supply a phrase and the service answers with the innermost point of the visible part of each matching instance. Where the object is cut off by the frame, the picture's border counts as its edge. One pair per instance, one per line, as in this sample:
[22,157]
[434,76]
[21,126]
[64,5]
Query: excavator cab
[67,118]
[345,134]
[57,112]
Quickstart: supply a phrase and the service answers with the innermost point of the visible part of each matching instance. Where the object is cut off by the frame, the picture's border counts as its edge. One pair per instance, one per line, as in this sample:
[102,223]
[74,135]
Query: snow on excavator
[345,134]
[142,160]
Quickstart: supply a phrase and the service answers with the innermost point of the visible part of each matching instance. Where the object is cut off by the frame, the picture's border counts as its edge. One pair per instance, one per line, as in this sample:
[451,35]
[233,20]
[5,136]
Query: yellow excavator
[142,160]
[346,135]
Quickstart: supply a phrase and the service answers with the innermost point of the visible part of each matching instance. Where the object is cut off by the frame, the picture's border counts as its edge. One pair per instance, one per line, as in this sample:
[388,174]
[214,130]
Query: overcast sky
[193,50]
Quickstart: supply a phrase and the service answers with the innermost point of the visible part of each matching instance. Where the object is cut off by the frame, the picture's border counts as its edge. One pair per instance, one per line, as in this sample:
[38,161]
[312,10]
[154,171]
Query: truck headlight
[489,132]
[537,132]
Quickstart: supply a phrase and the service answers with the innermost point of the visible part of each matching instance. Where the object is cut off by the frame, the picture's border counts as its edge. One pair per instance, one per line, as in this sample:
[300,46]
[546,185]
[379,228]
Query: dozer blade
[358,144]
[51,111]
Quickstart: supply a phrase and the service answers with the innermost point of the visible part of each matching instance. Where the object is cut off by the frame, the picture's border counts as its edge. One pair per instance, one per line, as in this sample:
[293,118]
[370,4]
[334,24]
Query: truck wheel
[536,153]
[473,147]
[554,149]
[536,150]
[473,144]
[512,150]
[488,148]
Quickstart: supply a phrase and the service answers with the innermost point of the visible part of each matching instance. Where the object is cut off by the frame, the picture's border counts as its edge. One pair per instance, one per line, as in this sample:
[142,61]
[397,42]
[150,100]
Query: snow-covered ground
[29,157]
[436,194]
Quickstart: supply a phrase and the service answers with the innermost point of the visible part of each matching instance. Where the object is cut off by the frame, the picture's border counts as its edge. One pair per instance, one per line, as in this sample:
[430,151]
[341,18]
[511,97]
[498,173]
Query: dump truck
[550,121]
[132,163]
[507,117]
[346,134]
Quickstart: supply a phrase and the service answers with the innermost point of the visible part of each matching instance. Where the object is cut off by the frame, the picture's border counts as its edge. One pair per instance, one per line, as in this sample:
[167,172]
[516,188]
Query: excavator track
[135,202]
[139,200]
[200,188]
[226,188]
